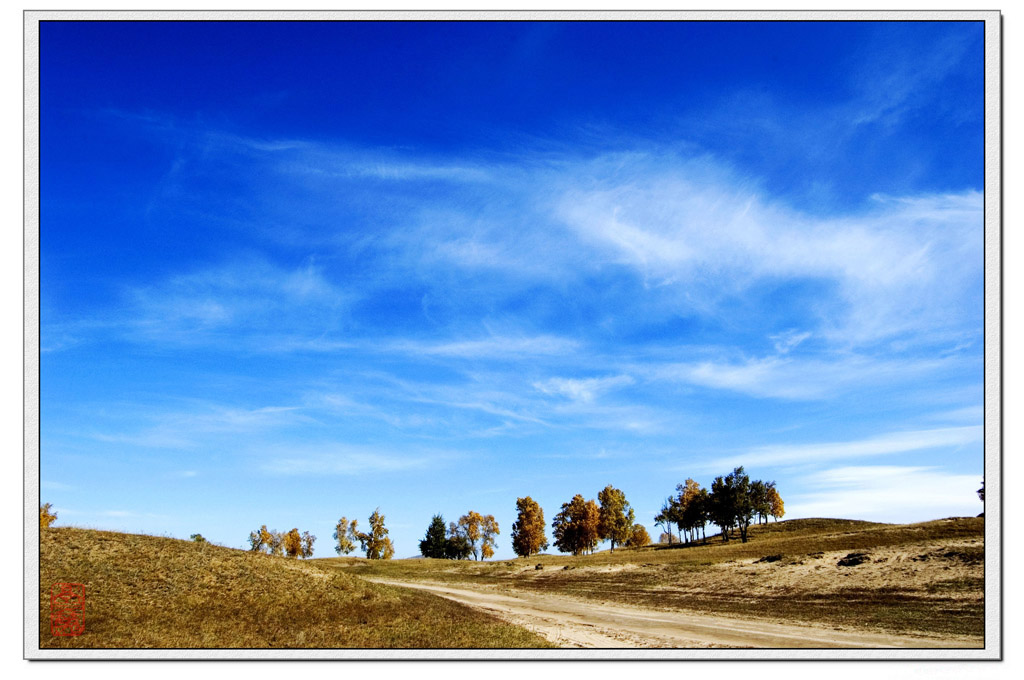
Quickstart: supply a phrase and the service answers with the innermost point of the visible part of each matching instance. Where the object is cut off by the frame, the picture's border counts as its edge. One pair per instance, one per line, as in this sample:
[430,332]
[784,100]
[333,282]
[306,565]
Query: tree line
[733,503]
[273,542]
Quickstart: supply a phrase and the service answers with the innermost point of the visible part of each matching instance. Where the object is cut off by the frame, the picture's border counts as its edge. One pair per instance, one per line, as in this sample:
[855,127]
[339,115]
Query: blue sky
[291,272]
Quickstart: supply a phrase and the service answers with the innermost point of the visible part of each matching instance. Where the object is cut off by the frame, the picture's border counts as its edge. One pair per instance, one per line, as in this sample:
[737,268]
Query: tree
[743,507]
[693,506]
[457,547]
[308,540]
[46,518]
[575,526]
[981,492]
[198,538]
[720,507]
[638,537]
[488,530]
[615,517]
[256,539]
[376,543]
[666,538]
[469,528]
[275,544]
[759,500]
[776,508]
[665,517]
[528,531]
[435,543]
[293,543]
[345,536]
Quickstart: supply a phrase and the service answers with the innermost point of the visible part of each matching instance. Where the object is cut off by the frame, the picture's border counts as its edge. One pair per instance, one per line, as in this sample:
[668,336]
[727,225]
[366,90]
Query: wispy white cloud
[331,460]
[582,389]
[248,299]
[886,493]
[495,347]
[884,444]
[786,377]
[178,429]
[896,268]
[788,340]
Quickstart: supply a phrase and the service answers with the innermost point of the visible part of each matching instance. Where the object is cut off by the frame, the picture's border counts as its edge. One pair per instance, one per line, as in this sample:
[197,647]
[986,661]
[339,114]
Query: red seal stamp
[67,609]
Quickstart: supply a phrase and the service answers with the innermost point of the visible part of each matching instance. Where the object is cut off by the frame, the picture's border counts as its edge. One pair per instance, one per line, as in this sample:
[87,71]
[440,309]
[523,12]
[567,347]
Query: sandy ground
[570,622]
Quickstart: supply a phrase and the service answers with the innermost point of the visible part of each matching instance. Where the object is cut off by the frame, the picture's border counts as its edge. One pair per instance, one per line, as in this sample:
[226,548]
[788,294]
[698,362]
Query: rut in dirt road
[570,622]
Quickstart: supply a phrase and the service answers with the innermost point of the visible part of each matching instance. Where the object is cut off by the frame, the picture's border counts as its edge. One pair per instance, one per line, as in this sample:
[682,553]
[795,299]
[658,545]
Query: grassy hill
[152,592]
[926,578]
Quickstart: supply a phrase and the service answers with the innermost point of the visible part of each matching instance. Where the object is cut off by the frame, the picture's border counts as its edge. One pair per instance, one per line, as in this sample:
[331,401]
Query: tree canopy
[376,543]
[528,531]
[575,527]
[345,536]
[615,517]
[435,542]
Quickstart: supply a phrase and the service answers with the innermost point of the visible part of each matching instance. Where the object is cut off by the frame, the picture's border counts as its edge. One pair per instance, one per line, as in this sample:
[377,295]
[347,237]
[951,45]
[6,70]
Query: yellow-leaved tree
[488,530]
[638,537]
[575,527]
[776,507]
[528,532]
[293,543]
[345,536]
[376,543]
[46,518]
[469,528]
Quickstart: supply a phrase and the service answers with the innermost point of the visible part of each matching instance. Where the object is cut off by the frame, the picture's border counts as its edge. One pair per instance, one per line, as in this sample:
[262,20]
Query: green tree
[731,503]
[575,527]
[615,518]
[346,535]
[981,492]
[198,538]
[457,547]
[528,531]
[435,543]
[721,509]
[759,500]
[376,543]
[46,518]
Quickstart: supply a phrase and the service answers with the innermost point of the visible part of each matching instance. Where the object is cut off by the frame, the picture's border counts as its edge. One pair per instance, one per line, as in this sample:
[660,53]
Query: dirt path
[570,622]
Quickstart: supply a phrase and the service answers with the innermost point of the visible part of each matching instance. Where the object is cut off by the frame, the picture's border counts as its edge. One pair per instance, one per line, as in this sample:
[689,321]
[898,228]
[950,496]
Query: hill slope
[925,578]
[152,592]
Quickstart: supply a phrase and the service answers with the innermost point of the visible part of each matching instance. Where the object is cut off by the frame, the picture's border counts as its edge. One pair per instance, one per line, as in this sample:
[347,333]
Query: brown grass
[151,592]
[923,578]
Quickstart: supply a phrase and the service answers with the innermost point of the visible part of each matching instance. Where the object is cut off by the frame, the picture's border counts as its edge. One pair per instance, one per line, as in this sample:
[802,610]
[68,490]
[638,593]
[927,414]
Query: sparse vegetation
[924,578]
[152,592]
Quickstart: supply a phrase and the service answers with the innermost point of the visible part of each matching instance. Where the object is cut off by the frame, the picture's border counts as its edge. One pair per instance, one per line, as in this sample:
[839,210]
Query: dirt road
[570,622]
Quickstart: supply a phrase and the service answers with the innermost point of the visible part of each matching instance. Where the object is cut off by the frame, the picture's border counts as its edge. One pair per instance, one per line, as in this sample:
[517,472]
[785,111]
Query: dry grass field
[924,579]
[152,592]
